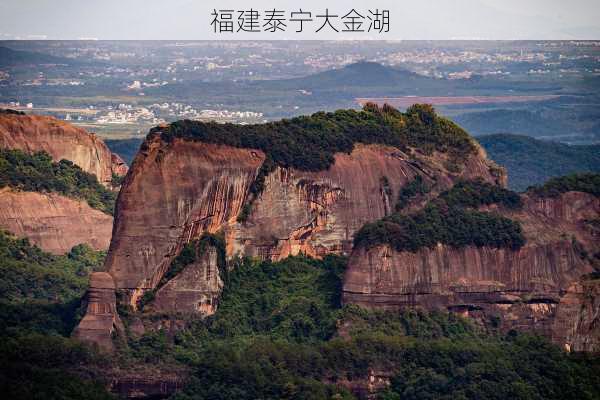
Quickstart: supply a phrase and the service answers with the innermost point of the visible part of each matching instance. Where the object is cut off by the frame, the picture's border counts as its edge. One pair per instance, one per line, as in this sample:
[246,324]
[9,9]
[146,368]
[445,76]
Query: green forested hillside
[585,182]
[281,333]
[452,218]
[310,142]
[532,162]
[38,173]
[40,304]
[125,148]
[29,273]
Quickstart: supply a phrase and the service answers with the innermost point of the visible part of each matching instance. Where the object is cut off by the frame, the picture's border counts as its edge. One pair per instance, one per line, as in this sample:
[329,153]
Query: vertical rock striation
[194,290]
[535,288]
[180,189]
[101,321]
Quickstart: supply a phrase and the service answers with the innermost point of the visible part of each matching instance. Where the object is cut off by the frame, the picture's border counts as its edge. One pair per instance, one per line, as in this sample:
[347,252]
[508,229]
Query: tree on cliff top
[310,142]
[38,173]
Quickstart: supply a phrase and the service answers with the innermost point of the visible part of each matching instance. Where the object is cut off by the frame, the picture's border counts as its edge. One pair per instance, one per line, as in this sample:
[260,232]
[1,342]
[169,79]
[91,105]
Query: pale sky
[409,19]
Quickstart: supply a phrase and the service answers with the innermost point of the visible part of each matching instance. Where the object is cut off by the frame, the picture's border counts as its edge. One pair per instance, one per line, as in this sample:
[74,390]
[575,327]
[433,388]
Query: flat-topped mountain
[304,185]
[423,215]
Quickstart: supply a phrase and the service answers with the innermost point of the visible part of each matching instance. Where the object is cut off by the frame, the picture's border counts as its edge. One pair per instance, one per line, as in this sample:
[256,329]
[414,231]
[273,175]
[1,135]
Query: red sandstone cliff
[176,191]
[101,321]
[525,289]
[61,140]
[53,222]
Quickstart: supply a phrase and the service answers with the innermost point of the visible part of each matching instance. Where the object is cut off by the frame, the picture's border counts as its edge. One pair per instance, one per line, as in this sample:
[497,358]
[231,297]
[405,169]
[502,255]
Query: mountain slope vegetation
[40,304]
[39,173]
[531,162]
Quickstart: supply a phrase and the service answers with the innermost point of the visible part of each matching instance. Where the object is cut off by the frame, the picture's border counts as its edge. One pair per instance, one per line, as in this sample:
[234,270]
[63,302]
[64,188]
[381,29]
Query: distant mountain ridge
[11,58]
[531,161]
[364,73]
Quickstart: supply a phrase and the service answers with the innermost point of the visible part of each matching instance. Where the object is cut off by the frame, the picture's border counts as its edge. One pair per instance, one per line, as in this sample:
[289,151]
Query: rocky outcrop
[32,133]
[577,322]
[194,290]
[53,222]
[534,288]
[178,190]
[172,194]
[101,321]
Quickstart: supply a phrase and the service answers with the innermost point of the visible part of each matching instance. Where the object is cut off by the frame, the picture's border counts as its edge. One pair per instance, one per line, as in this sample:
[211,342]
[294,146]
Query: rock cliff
[534,288]
[577,322]
[101,321]
[53,222]
[196,289]
[182,186]
[61,140]
[178,190]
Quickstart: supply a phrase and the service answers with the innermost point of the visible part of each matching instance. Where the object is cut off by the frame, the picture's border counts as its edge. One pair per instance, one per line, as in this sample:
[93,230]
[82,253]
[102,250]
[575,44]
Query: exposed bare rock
[101,320]
[577,322]
[521,288]
[196,289]
[61,140]
[176,191]
[172,195]
[317,213]
[53,222]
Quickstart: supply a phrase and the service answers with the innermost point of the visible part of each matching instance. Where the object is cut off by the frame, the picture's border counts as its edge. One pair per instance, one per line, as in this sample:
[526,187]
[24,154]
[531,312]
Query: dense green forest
[532,162]
[40,304]
[451,219]
[281,332]
[38,173]
[28,273]
[585,182]
[310,142]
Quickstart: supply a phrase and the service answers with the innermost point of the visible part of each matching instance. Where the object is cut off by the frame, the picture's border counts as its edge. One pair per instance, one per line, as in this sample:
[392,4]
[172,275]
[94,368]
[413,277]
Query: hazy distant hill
[530,161]
[505,120]
[11,58]
[125,148]
[361,74]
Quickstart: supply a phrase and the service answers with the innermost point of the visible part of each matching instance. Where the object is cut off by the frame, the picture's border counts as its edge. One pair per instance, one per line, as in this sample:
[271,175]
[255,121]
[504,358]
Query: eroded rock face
[318,212]
[523,289]
[53,222]
[195,290]
[176,191]
[577,322]
[32,133]
[101,320]
[172,195]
